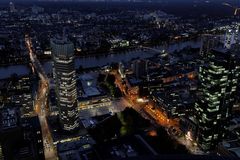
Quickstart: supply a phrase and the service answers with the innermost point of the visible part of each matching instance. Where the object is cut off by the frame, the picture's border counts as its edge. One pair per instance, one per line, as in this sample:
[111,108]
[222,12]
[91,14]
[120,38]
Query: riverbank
[99,61]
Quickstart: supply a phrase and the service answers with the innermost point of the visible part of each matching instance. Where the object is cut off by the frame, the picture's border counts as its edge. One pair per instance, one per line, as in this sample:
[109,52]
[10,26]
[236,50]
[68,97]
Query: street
[156,117]
[41,104]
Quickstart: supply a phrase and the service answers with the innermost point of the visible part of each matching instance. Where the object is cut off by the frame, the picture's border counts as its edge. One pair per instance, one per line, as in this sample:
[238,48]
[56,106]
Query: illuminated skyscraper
[218,78]
[231,36]
[65,80]
[12,7]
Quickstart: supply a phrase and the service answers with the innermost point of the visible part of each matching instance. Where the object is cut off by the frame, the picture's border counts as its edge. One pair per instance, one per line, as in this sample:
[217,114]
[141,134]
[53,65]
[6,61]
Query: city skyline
[119,80]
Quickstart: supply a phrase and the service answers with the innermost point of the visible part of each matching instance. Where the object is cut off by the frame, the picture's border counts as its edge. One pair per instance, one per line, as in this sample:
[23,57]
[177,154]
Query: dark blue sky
[116,0]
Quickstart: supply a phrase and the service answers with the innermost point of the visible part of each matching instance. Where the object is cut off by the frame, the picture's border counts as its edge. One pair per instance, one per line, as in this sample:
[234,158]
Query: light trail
[145,110]
[41,103]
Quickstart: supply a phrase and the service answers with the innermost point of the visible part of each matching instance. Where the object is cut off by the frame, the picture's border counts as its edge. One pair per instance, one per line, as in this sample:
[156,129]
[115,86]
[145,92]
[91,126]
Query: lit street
[119,79]
[41,104]
[156,117]
[144,109]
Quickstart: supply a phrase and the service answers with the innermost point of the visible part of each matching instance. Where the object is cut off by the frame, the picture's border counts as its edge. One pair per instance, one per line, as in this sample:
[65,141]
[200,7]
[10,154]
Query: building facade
[231,36]
[139,68]
[20,138]
[65,79]
[218,78]
[208,42]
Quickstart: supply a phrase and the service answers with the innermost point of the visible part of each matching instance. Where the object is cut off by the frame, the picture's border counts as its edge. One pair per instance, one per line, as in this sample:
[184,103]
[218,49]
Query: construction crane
[236,9]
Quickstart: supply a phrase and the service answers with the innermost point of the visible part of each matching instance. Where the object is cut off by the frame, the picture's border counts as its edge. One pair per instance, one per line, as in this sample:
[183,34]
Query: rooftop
[9,118]
[89,85]
[74,150]
[233,146]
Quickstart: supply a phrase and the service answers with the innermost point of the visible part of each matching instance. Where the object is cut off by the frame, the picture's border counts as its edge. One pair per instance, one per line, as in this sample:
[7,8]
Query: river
[87,62]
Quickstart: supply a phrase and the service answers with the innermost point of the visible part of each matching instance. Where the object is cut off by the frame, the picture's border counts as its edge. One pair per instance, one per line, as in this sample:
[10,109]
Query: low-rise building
[92,100]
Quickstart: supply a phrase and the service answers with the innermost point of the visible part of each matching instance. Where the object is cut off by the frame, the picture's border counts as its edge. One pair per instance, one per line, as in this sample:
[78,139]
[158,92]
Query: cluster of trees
[122,124]
[107,82]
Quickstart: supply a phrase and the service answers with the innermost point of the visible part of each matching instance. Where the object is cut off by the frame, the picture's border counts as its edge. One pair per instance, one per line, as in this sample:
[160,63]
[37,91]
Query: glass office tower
[218,83]
[65,80]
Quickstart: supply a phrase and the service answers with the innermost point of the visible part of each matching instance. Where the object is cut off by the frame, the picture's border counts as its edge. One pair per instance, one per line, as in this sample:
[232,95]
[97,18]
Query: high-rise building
[65,80]
[218,82]
[231,36]
[139,68]
[208,42]
[12,7]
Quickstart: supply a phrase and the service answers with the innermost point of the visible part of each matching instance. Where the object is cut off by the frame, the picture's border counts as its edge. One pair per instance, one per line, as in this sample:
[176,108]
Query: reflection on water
[98,61]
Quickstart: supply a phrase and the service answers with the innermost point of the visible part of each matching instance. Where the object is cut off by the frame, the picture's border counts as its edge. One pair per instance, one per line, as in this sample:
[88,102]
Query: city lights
[119,79]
